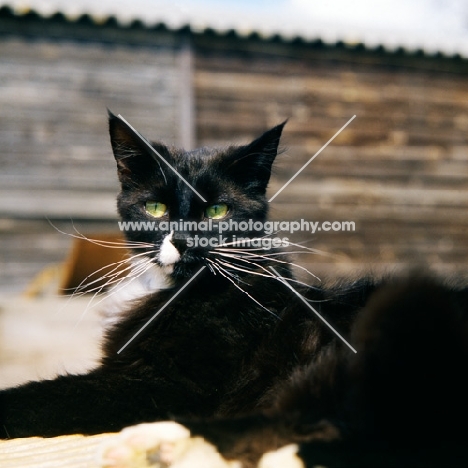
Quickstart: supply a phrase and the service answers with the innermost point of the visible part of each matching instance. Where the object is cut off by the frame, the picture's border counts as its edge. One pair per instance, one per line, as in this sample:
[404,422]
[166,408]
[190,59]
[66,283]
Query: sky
[433,25]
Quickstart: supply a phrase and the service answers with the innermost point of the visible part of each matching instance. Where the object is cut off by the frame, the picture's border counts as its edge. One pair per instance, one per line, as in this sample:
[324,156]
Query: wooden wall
[55,156]
[399,171]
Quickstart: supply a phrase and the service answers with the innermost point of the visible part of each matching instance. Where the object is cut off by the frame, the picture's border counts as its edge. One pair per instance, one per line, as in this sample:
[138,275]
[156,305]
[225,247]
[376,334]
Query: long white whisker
[115,290]
[277,261]
[103,243]
[115,271]
[120,243]
[113,278]
[83,287]
[314,251]
[251,252]
[309,249]
[218,267]
[304,249]
[243,259]
[143,268]
[210,267]
[230,273]
[235,267]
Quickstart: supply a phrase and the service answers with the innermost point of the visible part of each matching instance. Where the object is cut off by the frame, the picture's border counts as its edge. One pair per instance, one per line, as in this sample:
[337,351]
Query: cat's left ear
[251,164]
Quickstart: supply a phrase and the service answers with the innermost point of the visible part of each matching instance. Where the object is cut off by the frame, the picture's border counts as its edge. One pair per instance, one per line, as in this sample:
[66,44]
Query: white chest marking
[120,298]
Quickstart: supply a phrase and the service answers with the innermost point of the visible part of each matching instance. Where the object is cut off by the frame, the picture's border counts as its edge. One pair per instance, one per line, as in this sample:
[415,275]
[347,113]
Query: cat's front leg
[169,444]
[90,403]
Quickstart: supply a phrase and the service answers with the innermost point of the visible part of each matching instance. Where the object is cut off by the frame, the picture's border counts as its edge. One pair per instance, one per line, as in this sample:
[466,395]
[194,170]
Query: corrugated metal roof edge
[7,12]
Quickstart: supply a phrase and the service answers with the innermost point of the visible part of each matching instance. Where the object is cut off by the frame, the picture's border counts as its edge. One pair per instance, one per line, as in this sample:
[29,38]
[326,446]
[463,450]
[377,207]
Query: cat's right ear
[135,160]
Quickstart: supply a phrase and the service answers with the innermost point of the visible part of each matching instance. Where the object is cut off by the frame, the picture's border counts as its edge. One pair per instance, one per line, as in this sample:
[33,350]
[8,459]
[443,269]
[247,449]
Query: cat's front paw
[285,457]
[160,445]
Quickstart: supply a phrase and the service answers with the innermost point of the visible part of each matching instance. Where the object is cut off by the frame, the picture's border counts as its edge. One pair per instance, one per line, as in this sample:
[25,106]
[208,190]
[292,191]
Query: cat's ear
[134,159]
[251,165]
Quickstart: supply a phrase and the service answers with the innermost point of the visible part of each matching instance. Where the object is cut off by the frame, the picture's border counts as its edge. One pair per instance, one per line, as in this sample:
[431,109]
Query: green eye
[155,209]
[216,211]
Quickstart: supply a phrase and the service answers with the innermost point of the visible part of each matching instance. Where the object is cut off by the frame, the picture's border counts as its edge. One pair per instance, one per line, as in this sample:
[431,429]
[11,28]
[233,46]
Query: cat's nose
[179,240]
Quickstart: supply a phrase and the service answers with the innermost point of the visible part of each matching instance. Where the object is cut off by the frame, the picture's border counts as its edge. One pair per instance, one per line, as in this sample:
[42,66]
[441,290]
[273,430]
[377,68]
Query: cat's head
[196,189]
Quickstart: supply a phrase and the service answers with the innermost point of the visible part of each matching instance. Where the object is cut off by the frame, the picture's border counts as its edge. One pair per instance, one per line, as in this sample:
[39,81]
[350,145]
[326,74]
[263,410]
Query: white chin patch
[168,254]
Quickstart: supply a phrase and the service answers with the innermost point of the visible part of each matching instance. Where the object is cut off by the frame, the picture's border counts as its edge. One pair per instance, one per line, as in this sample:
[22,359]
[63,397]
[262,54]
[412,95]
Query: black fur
[399,402]
[252,372]
[189,359]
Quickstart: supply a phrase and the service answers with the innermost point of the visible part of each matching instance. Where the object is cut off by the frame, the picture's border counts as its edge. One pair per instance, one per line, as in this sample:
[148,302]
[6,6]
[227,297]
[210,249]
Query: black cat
[228,348]
[191,359]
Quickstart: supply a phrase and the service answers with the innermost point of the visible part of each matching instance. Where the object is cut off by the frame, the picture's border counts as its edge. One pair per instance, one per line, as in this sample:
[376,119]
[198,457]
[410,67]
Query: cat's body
[211,352]
[228,348]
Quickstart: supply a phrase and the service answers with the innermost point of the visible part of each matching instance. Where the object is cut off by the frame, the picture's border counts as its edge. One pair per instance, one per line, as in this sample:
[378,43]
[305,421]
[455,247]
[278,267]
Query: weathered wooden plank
[336,191]
[357,90]
[65,204]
